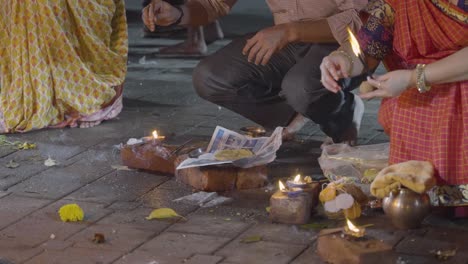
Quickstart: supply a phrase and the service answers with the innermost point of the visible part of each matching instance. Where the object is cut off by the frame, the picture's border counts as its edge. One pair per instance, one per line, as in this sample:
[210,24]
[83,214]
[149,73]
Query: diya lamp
[297,182]
[354,231]
[290,191]
[150,155]
[290,205]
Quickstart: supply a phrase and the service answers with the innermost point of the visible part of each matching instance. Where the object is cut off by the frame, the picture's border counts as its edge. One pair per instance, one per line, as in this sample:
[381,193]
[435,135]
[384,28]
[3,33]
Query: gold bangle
[346,54]
[421,79]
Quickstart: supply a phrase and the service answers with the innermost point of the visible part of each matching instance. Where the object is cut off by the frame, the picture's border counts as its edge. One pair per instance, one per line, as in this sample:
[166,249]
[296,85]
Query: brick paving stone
[57,182]
[135,219]
[57,245]
[210,225]
[160,198]
[262,252]
[309,256]
[76,256]
[281,233]
[204,259]
[5,151]
[409,259]
[149,257]
[117,186]
[38,227]
[426,247]
[117,237]
[179,245]
[15,207]
[12,251]
[123,206]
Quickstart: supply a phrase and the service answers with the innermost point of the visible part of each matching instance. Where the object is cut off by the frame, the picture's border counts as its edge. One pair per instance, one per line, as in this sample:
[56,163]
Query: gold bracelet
[346,54]
[421,79]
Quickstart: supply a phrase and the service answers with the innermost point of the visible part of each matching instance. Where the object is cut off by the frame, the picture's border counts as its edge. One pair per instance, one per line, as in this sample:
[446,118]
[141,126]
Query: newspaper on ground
[263,149]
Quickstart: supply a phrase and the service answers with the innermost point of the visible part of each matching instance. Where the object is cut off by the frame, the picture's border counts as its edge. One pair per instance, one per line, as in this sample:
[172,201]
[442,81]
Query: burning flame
[281,186]
[155,134]
[354,43]
[297,179]
[351,226]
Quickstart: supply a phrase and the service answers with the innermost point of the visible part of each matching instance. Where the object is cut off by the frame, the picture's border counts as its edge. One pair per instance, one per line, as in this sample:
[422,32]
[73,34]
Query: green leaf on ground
[251,239]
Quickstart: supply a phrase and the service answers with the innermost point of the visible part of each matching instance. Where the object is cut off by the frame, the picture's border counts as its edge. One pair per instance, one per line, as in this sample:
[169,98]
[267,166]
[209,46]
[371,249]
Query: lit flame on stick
[352,227]
[155,134]
[297,179]
[354,43]
[281,186]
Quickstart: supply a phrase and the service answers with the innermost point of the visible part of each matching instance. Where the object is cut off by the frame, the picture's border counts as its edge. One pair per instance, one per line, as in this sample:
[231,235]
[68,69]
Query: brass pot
[406,209]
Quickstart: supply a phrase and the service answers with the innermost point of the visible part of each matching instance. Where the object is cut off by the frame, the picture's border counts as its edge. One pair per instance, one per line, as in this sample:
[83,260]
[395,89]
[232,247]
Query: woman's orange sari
[432,126]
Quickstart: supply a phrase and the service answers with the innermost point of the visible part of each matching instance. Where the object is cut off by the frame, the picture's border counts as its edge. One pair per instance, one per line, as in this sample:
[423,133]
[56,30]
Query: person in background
[62,63]
[272,77]
[198,37]
[424,45]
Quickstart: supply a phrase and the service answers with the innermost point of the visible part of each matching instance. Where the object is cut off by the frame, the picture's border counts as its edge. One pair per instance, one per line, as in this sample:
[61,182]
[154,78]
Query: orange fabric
[432,126]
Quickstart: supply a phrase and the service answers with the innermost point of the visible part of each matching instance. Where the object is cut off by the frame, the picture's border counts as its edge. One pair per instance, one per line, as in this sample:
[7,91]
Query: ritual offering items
[406,209]
[290,205]
[417,176]
[149,154]
[341,198]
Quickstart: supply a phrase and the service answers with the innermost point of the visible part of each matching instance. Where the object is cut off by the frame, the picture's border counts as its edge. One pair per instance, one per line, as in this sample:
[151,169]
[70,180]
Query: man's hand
[266,42]
[333,68]
[159,13]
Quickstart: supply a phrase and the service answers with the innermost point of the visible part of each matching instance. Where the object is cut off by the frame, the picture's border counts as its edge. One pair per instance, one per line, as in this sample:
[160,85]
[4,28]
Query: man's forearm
[310,32]
[203,12]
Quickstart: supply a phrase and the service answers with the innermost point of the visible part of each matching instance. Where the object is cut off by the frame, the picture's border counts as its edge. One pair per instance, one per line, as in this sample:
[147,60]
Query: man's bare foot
[89,124]
[294,126]
[213,32]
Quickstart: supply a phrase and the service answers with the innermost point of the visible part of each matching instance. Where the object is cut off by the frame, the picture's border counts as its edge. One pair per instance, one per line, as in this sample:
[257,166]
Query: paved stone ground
[158,94]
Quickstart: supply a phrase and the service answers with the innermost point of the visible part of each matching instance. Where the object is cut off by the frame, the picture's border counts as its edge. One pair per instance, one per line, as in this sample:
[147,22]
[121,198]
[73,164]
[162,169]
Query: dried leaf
[121,168]
[25,145]
[313,226]
[251,239]
[163,213]
[99,238]
[12,164]
[71,213]
[50,162]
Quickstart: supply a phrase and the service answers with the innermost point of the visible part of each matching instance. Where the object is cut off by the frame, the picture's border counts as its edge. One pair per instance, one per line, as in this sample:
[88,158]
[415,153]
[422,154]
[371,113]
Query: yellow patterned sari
[62,62]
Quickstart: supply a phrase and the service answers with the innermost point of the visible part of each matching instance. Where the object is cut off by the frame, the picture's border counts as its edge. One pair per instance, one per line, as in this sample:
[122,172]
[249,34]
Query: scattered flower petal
[163,213]
[50,162]
[71,213]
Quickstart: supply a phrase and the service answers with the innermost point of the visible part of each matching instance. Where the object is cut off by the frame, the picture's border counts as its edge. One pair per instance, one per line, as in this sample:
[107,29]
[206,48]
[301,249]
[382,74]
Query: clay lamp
[289,191]
[351,230]
[297,182]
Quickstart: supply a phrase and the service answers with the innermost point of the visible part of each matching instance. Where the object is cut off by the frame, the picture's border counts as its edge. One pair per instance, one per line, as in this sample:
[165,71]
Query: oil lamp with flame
[154,138]
[290,191]
[354,231]
[297,182]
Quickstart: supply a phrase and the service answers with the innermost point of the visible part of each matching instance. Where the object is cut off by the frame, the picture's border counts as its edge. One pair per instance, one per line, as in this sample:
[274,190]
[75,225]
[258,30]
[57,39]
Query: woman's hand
[265,43]
[333,68]
[159,13]
[391,84]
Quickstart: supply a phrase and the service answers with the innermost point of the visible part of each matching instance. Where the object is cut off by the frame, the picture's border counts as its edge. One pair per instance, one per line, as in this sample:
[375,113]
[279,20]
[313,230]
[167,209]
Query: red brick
[149,157]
